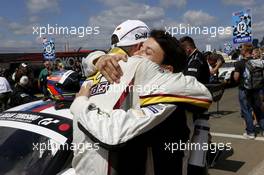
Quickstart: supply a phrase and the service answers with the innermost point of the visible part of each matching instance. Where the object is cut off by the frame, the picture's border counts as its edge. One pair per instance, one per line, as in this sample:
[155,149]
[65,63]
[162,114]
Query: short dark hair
[174,54]
[188,41]
[207,54]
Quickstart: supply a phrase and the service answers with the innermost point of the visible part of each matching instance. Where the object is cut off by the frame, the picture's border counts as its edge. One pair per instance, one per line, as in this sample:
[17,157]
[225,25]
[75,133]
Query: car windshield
[23,152]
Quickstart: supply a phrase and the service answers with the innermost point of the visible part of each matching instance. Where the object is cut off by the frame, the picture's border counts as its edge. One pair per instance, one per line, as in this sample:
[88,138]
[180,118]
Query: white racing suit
[103,123]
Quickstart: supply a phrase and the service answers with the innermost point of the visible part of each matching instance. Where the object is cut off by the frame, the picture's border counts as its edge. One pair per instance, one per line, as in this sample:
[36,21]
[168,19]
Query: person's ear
[135,48]
[138,46]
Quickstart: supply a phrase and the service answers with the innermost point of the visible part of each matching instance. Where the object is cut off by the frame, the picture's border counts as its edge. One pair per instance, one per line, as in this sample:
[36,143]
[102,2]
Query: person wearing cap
[21,94]
[163,50]
[131,34]
[126,39]
[196,66]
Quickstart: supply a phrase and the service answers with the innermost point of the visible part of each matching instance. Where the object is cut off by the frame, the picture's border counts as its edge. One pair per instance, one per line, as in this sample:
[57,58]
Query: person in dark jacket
[25,70]
[196,64]
[42,79]
[20,94]
[197,67]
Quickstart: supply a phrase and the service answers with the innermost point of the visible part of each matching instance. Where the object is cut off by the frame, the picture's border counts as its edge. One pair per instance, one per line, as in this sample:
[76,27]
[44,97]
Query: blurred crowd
[20,86]
[23,85]
[249,74]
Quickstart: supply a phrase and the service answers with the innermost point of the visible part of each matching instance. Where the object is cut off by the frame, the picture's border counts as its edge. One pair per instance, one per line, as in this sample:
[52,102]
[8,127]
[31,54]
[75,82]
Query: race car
[226,73]
[36,138]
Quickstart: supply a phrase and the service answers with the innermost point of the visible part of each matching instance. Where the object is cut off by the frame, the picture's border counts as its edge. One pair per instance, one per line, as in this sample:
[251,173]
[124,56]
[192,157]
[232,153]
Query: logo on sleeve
[100,85]
[155,108]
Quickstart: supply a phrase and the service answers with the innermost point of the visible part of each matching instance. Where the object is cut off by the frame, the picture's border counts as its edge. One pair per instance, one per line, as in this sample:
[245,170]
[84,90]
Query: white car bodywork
[226,70]
[46,107]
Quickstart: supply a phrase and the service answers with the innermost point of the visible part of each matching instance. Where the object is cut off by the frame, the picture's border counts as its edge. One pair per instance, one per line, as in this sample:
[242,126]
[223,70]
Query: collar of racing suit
[117,50]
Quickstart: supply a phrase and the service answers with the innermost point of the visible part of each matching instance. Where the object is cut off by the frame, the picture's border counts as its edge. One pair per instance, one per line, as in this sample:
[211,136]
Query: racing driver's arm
[118,126]
[113,128]
[106,63]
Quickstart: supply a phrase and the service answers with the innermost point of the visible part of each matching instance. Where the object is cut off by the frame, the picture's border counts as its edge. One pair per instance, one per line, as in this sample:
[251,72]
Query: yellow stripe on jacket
[148,100]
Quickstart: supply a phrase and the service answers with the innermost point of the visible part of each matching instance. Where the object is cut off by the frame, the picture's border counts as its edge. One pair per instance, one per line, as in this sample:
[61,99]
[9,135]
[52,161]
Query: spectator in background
[42,80]
[14,78]
[60,67]
[262,57]
[25,70]
[197,66]
[255,94]
[55,64]
[78,68]
[196,63]
[246,110]
[235,54]
[7,73]
[219,62]
[20,94]
[256,54]
[215,61]
[5,91]
[262,52]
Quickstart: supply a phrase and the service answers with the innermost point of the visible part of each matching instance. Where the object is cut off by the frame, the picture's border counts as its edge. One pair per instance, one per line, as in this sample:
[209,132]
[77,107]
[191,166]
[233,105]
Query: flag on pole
[242,31]
[49,49]
[228,48]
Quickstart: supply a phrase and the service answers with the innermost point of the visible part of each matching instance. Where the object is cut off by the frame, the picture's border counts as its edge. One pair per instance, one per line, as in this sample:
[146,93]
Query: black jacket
[19,96]
[198,67]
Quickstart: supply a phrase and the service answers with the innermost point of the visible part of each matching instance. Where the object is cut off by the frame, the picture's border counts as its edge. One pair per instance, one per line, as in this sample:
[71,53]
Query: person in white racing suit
[98,121]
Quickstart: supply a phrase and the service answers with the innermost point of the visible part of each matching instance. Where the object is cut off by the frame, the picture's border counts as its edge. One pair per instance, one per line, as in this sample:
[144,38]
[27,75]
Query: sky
[19,18]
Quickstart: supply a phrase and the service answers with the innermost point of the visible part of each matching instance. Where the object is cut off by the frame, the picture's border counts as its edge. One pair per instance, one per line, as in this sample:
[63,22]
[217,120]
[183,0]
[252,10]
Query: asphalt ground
[246,156]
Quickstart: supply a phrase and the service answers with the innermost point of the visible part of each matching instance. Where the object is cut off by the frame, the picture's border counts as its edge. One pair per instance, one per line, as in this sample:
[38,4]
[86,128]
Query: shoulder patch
[23,95]
[155,108]
[192,70]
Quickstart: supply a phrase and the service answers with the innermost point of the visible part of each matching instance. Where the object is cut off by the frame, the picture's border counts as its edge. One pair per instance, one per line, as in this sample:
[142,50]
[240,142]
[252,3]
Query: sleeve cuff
[89,67]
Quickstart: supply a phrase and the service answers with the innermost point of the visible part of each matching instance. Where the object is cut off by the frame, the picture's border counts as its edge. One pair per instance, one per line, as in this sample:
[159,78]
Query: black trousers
[173,130]
[165,161]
